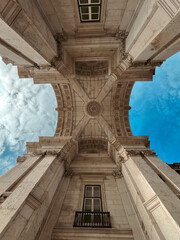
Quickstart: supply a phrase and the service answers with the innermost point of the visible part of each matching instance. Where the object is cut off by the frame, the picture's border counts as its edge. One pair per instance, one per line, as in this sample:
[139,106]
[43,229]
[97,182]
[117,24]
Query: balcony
[92,219]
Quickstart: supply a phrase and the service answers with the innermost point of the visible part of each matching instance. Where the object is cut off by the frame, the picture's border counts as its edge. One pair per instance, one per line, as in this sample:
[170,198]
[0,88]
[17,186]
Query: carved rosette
[93,108]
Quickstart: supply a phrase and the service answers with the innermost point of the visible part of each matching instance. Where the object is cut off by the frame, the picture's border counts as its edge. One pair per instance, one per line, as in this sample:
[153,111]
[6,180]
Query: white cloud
[27,111]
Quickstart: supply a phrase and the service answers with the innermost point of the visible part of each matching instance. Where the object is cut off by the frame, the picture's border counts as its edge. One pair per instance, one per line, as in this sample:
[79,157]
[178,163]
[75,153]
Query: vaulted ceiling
[91,65]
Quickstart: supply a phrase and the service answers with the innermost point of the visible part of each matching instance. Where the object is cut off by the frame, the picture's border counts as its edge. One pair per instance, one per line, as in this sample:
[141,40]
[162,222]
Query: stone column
[24,210]
[153,188]
[129,209]
[156,201]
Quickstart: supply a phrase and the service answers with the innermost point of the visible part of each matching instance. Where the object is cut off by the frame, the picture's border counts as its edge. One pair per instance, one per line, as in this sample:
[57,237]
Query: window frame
[90,5]
[84,197]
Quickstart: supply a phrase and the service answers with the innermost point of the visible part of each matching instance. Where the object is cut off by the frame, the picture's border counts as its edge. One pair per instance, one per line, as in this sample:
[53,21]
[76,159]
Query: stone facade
[92,67]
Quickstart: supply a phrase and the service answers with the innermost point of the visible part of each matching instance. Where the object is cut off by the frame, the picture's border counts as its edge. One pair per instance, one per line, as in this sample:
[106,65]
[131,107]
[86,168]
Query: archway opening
[156,110]
[27,111]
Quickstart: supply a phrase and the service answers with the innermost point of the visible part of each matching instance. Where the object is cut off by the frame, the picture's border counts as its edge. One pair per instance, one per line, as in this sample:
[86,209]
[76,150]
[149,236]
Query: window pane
[96,191]
[95,9]
[97,205]
[85,16]
[94,1]
[83,1]
[84,10]
[88,191]
[88,205]
[95,16]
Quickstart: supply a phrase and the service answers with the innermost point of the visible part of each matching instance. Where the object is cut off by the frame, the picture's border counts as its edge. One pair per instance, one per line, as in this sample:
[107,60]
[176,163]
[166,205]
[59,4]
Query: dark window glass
[84,9]
[89,10]
[92,199]
[95,1]
[83,1]
[85,17]
[95,9]
[95,16]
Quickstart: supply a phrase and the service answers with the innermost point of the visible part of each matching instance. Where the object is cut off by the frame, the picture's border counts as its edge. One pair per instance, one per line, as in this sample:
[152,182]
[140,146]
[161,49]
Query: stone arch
[65,106]
[121,108]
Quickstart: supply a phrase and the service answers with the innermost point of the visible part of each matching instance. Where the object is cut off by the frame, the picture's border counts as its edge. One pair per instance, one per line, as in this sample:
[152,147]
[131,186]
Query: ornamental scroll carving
[121,35]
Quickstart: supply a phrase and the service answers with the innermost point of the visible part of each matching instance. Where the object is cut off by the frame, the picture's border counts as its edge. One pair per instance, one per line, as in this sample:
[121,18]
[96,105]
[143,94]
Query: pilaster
[23,210]
[148,35]
[25,37]
[155,201]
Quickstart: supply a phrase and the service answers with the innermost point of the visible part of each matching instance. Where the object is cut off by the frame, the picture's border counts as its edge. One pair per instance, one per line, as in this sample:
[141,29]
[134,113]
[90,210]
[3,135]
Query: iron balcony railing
[92,219]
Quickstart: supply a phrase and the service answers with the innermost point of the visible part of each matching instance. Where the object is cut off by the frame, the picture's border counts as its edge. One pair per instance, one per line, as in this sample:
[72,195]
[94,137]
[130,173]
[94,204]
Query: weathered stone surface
[92,68]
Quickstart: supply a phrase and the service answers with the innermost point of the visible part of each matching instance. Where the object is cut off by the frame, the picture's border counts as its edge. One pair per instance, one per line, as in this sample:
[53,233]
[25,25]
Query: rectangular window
[92,199]
[89,10]
[92,203]
[92,214]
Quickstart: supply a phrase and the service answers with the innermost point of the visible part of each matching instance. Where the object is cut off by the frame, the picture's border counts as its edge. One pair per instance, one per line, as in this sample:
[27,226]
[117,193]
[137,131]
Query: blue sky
[156,110]
[27,111]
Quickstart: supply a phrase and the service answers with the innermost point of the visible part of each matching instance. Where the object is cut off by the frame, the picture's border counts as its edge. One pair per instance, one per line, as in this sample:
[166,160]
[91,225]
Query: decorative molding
[60,37]
[10,11]
[52,152]
[40,69]
[171,7]
[21,159]
[93,108]
[93,145]
[148,152]
[4,196]
[147,64]
[152,203]
[121,159]
[7,61]
[117,173]
[57,62]
[39,152]
[122,35]
[68,173]
[124,64]
[91,68]
[135,152]
[65,109]
[67,153]
[33,202]
[121,108]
